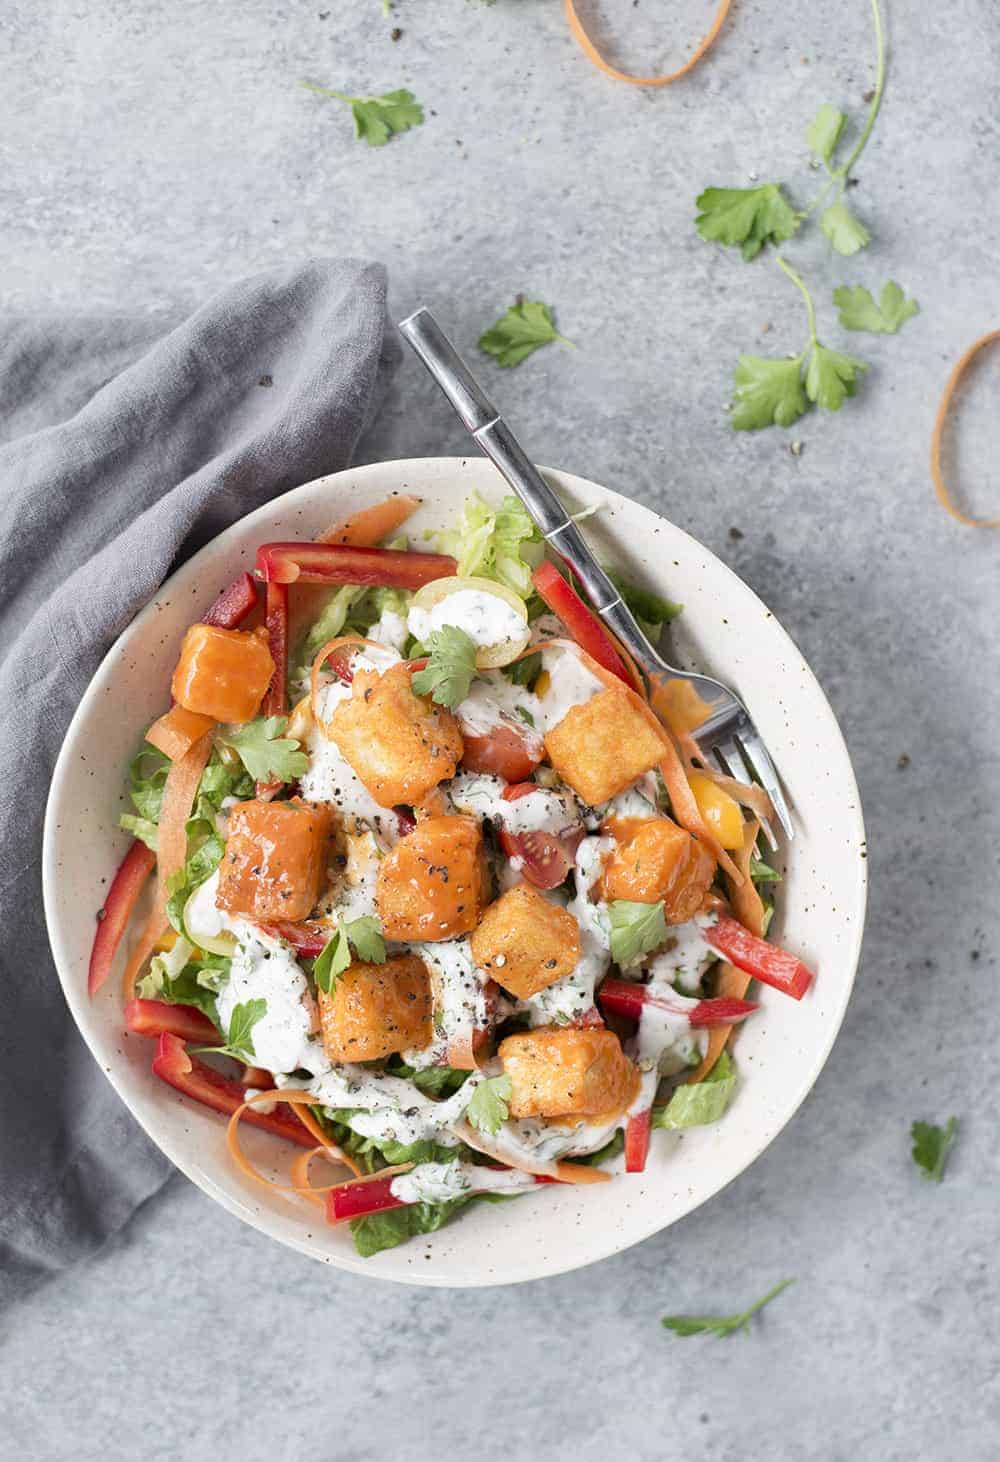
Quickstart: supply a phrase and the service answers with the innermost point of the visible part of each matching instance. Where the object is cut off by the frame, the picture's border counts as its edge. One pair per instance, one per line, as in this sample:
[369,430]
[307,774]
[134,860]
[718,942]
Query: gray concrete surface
[151,152]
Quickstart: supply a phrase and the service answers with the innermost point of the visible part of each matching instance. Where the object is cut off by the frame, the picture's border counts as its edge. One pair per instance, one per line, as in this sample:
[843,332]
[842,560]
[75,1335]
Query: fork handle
[494,437]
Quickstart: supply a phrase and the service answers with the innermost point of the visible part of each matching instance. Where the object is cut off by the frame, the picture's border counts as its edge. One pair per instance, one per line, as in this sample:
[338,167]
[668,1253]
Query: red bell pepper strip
[234,604]
[622,997]
[340,563]
[638,1131]
[765,962]
[158,1017]
[123,895]
[204,1084]
[276,610]
[582,623]
[362,1197]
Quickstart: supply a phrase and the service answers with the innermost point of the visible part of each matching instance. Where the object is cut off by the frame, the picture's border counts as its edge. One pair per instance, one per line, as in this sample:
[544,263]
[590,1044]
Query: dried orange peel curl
[593,54]
[940,421]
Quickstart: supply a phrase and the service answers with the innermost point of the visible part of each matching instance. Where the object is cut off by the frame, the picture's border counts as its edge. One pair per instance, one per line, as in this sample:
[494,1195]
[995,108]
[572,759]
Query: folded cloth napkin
[267,386]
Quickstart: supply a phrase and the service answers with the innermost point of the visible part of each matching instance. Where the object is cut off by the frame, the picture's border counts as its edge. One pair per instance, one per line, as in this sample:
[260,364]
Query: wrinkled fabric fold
[268,385]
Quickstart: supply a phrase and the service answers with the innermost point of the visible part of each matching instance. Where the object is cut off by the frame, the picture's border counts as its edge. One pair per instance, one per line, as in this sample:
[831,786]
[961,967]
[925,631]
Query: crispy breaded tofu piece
[601,746]
[375,1010]
[652,860]
[560,1071]
[400,744]
[526,942]
[275,859]
[434,883]
[222,673]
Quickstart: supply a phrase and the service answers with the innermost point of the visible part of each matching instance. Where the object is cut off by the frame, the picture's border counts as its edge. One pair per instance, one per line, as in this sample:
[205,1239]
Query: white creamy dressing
[353,893]
[439,1182]
[390,1108]
[494,700]
[390,630]
[330,776]
[480,794]
[486,618]
[638,800]
[570,684]
[286,1037]
[457,987]
[571,996]
[547,627]
[685,957]
[203,918]
[548,1141]
[665,1043]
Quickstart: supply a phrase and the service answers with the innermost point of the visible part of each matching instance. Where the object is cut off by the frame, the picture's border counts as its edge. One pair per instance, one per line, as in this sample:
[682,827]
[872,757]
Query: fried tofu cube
[400,744]
[434,883]
[602,745]
[275,859]
[525,942]
[654,860]
[375,1010]
[222,673]
[560,1071]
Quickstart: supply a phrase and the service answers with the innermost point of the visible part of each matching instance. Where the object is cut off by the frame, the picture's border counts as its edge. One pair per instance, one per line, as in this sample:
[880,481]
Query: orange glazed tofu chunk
[274,861]
[375,1010]
[653,859]
[558,1071]
[434,883]
[400,744]
[222,673]
[525,942]
[601,746]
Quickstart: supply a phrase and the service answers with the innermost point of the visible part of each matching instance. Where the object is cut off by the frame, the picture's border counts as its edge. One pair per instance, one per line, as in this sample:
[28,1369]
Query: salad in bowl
[428,885]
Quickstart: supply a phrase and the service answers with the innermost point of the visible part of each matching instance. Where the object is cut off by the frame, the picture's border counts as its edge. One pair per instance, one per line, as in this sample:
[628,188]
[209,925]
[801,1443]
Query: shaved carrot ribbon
[323,655]
[367,527]
[593,54]
[179,792]
[559,1172]
[944,407]
[733,983]
[748,794]
[300,1178]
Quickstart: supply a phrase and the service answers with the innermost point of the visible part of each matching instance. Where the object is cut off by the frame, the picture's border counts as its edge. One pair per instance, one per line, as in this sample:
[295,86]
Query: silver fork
[727,733]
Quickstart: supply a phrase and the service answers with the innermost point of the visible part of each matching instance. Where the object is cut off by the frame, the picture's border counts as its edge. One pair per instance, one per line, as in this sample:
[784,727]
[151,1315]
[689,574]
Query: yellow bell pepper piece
[721,812]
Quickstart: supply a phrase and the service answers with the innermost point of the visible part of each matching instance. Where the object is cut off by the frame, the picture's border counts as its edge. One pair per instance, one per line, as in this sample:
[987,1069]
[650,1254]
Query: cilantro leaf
[721,1325]
[267,754]
[700,1103]
[846,233]
[365,933]
[746,218]
[931,1146]
[525,327]
[768,393]
[858,310]
[488,1108]
[450,667]
[831,376]
[824,131]
[650,608]
[332,961]
[239,1043]
[635,930]
[377,118]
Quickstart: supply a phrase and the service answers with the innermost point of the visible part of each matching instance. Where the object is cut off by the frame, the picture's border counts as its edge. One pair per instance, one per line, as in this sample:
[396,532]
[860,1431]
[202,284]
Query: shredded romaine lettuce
[178,979]
[501,544]
[394,1226]
[704,1102]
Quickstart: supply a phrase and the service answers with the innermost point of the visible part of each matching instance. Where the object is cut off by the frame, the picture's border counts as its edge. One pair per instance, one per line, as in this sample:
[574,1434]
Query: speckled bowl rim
[579,1236]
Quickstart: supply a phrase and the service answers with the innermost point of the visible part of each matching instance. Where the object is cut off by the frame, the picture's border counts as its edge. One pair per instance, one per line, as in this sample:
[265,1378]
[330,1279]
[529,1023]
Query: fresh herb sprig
[451,664]
[777,392]
[365,933]
[721,1325]
[931,1146]
[377,118]
[521,330]
[239,1044]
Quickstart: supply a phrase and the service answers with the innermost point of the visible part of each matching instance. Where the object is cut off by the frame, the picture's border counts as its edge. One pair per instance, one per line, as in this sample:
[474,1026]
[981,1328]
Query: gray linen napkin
[267,386]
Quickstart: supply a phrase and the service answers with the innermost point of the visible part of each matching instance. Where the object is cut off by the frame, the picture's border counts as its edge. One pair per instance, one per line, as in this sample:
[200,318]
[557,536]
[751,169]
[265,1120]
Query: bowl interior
[726,630]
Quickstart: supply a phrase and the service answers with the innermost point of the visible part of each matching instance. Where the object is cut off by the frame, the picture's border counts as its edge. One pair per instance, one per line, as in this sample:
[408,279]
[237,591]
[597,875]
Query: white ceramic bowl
[726,630]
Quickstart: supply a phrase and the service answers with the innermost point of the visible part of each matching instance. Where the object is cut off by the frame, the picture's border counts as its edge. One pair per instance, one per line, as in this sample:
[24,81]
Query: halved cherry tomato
[545,858]
[504,751]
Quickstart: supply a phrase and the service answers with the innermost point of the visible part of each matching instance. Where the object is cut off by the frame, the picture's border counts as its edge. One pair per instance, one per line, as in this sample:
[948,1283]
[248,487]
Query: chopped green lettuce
[394,1226]
[502,544]
[179,979]
[704,1102]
